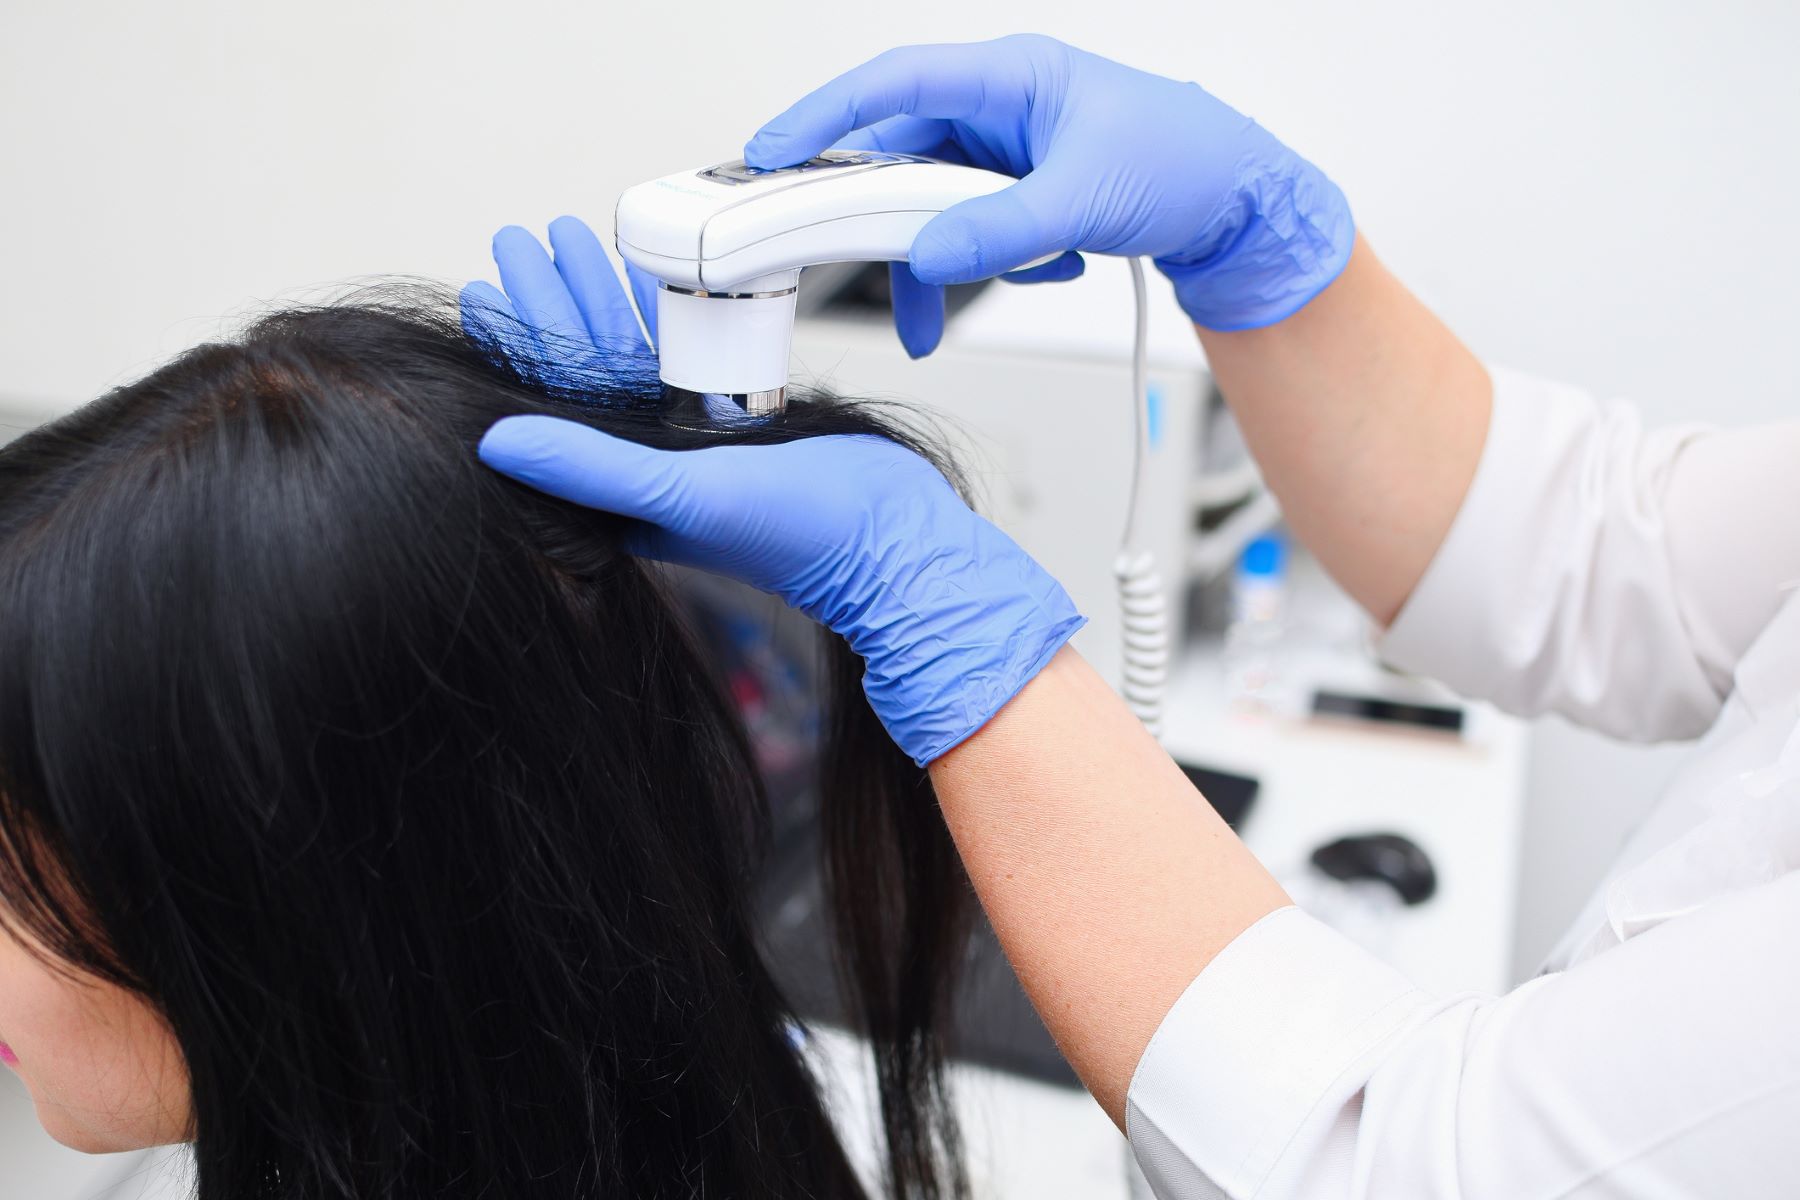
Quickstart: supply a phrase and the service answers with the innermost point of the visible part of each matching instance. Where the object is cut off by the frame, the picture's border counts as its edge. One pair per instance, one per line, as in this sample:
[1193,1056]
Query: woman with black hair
[372,822]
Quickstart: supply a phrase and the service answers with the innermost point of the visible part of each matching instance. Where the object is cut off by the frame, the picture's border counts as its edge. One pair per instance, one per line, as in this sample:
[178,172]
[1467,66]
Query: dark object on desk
[1394,860]
[1437,718]
[1230,795]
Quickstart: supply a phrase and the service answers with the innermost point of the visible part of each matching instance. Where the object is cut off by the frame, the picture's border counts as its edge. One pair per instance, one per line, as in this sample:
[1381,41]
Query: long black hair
[401,790]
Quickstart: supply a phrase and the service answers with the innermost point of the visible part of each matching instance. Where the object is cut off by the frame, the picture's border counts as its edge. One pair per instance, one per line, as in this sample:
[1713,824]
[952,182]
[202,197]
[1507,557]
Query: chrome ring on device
[730,295]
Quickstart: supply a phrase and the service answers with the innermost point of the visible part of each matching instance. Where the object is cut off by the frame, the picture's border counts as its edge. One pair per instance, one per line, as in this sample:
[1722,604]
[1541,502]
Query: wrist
[949,642]
[1280,238]
[939,693]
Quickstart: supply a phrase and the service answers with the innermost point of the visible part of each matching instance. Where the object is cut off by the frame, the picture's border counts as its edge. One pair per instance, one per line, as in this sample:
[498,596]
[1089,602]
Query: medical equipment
[727,243]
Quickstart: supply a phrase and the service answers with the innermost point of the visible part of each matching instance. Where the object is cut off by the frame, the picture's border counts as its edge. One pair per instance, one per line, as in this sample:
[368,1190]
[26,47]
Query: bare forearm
[1109,879]
[1367,416]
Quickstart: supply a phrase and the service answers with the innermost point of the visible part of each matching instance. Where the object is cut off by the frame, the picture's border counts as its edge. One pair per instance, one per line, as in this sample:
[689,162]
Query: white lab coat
[1641,583]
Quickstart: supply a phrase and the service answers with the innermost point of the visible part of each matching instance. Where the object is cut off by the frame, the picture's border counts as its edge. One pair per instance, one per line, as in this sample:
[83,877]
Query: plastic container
[1259,596]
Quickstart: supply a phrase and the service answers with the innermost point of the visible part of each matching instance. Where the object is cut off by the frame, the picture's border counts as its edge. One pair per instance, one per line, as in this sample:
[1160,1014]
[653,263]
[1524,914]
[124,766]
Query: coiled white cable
[1143,613]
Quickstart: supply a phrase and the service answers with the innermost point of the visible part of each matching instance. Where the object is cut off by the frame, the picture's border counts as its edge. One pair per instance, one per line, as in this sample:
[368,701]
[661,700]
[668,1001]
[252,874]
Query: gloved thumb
[580,464]
[990,235]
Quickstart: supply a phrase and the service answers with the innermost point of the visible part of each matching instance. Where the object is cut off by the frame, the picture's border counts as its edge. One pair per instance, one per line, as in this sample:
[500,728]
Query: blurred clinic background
[1594,190]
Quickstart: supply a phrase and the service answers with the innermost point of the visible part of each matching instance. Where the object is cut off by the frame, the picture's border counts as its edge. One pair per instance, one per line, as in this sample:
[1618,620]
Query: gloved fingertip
[570,235]
[769,150]
[508,441]
[919,338]
[527,444]
[487,317]
[587,466]
[511,234]
[481,295]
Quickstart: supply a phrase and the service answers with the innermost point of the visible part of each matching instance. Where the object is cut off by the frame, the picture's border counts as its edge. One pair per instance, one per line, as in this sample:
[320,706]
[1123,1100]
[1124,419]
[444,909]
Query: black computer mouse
[1395,860]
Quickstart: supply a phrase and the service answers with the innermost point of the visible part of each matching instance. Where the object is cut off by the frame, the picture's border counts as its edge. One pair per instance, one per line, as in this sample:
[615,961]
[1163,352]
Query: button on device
[740,172]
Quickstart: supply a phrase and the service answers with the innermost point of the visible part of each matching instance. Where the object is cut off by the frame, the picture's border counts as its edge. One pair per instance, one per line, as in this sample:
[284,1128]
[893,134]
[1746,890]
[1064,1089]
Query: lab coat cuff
[1441,630]
[1262,1044]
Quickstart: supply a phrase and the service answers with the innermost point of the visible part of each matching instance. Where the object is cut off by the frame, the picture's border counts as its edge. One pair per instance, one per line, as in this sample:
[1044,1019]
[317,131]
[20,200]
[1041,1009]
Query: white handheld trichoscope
[727,243]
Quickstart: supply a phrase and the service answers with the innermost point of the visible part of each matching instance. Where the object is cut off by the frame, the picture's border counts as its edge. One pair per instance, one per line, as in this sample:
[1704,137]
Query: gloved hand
[550,311]
[569,314]
[951,617]
[1111,159]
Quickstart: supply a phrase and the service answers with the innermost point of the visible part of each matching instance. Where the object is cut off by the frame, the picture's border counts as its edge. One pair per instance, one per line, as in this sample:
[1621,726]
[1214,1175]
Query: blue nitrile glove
[572,306]
[861,534]
[1111,159]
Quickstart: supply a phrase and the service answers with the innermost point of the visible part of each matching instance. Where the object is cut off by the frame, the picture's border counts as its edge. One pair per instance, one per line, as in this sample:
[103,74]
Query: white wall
[1598,190]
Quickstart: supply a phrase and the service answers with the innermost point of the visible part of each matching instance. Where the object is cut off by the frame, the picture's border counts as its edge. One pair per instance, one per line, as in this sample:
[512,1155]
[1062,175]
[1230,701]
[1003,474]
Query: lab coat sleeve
[1602,570]
[1298,1067]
